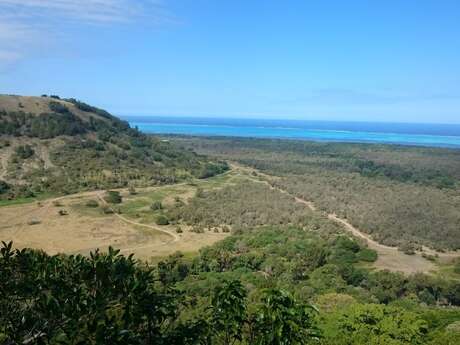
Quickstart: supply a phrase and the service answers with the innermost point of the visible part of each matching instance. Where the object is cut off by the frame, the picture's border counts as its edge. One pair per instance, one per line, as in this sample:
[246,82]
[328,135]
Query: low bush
[92,203]
[367,255]
[162,220]
[113,197]
[57,107]
[25,151]
[157,205]
[4,187]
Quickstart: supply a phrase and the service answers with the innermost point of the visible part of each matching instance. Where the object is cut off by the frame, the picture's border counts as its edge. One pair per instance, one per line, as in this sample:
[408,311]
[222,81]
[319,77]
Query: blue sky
[369,60]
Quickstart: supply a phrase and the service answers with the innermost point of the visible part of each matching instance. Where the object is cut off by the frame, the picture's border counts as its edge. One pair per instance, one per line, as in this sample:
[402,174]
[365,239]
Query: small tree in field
[157,205]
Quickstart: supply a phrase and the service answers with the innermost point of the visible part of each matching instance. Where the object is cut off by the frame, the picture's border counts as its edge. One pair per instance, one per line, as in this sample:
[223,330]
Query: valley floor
[132,229]
[389,258]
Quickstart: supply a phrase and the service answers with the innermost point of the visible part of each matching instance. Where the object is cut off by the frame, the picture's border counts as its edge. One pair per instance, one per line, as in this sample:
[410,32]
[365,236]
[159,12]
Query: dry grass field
[68,225]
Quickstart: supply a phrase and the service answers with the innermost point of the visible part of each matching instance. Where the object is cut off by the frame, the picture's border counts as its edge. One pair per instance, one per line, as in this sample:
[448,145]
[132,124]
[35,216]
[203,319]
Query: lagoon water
[440,135]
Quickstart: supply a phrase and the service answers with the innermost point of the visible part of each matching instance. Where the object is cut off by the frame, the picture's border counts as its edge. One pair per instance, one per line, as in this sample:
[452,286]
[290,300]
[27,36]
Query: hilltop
[49,144]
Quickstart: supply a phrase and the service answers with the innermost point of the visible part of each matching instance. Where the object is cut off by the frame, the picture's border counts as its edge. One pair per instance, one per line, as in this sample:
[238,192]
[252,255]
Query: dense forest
[403,196]
[267,285]
[74,146]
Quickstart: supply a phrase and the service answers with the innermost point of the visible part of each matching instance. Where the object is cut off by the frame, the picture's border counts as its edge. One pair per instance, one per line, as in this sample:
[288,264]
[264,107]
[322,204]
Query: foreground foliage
[111,299]
[255,287]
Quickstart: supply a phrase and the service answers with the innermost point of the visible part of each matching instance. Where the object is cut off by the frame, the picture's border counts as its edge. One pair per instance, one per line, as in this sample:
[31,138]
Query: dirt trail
[388,257]
[173,235]
[79,233]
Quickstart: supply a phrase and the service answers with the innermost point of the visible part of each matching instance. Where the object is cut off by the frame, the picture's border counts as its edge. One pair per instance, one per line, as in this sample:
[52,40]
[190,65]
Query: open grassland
[70,225]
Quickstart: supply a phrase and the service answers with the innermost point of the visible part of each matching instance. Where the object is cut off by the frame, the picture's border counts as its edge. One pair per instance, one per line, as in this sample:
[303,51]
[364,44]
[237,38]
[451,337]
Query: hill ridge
[49,144]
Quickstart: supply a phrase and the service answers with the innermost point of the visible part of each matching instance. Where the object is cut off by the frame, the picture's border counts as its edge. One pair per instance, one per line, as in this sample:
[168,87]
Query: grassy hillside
[57,145]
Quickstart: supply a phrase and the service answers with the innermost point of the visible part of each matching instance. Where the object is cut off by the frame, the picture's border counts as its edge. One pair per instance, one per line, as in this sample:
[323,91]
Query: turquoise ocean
[438,135]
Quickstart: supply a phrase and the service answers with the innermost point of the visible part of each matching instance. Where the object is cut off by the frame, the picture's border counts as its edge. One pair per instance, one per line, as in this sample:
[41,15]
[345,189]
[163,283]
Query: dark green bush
[162,220]
[57,107]
[113,197]
[367,255]
[4,187]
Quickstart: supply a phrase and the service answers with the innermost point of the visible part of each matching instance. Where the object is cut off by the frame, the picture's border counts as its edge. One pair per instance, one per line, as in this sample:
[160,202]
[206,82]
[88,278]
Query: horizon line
[283,119]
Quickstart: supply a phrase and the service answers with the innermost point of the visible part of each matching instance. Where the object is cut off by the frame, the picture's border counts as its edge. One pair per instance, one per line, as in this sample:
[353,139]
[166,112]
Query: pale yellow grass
[84,231]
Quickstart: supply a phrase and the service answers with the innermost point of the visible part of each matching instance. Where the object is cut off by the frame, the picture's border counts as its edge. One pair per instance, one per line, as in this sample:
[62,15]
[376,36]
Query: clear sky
[392,60]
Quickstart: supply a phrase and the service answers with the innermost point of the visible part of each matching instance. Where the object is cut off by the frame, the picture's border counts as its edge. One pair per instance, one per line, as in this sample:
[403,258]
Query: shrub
[4,187]
[162,220]
[179,230]
[367,255]
[57,107]
[157,205]
[113,197]
[429,257]
[197,230]
[407,248]
[212,169]
[25,151]
[92,203]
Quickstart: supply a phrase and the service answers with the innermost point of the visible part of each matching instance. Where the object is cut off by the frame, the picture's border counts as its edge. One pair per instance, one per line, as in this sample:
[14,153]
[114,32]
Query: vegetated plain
[402,196]
[277,267]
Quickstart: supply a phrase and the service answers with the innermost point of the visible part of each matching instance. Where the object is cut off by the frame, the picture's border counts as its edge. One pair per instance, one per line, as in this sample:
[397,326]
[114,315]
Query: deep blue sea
[440,135]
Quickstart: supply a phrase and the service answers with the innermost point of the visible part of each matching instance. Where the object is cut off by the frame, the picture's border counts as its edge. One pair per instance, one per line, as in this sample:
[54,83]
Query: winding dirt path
[388,257]
[152,227]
